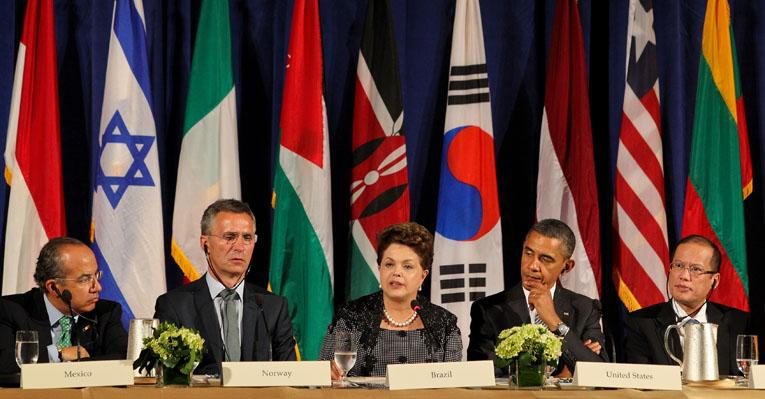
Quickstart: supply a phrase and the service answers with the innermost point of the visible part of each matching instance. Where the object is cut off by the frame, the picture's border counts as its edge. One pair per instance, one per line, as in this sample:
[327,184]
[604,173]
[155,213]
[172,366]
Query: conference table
[499,392]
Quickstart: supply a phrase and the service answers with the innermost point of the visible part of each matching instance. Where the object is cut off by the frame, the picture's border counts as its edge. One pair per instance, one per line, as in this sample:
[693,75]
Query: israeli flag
[127,204]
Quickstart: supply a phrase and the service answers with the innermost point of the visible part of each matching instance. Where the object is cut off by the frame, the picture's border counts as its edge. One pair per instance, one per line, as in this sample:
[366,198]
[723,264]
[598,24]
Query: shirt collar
[216,286]
[701,315]
[54,315]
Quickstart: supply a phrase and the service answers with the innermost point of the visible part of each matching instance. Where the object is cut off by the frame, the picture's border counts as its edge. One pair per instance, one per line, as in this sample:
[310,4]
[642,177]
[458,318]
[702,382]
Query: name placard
[276,374]
[97,373]
[624,375]
[441,375]
[757,376]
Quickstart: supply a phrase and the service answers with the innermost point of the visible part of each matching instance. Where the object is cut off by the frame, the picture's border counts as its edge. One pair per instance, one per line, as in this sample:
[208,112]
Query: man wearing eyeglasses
[71,321]
[693,273]
[237,319]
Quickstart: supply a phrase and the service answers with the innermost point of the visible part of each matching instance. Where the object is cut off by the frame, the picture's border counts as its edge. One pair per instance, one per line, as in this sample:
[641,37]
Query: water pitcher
[699,350]
[140,329]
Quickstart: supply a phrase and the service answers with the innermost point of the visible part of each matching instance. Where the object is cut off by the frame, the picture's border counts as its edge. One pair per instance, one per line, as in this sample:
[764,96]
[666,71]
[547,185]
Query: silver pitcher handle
[666,344]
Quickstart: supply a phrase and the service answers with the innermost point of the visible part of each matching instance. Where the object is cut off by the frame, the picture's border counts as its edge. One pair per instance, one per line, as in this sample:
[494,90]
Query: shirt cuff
[53,354]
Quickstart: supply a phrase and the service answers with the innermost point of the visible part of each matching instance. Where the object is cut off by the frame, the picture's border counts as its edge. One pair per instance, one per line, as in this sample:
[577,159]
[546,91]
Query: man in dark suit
[538,299]
[693,273]
[66,273]
[238,320]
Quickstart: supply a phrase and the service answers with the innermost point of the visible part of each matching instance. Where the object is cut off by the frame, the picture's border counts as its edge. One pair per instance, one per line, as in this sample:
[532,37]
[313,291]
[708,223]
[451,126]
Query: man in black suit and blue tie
[539,299]
[238,320]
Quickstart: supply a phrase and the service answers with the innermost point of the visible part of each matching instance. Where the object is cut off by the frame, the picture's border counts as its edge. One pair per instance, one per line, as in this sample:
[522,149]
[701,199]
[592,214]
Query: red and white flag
[33,151]
[641,255]
[566,187]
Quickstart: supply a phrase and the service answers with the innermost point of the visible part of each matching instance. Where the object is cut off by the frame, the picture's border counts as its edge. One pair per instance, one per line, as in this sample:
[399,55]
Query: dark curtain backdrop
[516,34]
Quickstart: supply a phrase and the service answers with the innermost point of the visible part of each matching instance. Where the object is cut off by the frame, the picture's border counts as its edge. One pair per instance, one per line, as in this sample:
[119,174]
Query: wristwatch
[562,329]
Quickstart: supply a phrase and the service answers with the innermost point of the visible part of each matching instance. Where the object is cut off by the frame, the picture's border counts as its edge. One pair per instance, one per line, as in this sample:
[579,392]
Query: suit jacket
[494,313]
[441,336]
[191,306]
[104,339]
[644,335]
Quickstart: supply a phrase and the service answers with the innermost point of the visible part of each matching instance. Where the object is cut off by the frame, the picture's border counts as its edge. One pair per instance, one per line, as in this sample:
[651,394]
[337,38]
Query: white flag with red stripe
[566,187]
[33,151]
[642,253]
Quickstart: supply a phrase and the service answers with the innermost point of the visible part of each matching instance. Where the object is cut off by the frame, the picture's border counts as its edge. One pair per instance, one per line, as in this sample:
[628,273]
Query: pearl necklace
[404,323]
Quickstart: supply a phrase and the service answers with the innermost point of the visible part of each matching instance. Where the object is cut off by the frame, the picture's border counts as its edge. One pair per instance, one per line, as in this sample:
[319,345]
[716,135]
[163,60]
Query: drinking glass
[747,353]
[27,347]
[345,352]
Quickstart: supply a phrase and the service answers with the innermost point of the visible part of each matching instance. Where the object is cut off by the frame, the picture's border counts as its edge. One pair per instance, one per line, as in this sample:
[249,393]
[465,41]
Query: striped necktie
[537,319]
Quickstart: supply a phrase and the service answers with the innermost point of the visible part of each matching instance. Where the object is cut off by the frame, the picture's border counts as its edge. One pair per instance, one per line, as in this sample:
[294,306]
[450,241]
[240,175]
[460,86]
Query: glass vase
[170,376]
[525,373]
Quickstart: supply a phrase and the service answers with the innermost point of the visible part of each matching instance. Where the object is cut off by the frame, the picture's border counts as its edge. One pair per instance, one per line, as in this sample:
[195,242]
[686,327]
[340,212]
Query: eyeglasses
[231,238]
[85,279]
[694,269]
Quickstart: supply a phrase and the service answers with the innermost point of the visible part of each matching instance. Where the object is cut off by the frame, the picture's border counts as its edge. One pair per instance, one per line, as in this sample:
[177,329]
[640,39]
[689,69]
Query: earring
[420,289]
[379,285]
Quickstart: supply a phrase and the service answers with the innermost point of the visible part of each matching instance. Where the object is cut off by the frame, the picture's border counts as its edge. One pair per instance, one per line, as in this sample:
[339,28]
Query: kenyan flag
[379,190]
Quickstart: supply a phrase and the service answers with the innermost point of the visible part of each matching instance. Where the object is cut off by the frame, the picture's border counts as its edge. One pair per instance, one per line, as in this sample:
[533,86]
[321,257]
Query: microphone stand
[259,301]
[67,297]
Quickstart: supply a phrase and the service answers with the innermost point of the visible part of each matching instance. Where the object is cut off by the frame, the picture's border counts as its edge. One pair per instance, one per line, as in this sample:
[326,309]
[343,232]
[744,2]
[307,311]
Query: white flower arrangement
[533,340]
[175,347]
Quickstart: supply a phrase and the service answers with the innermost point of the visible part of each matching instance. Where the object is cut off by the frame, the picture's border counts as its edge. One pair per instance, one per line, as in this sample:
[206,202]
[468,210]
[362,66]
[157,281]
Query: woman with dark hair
[395,325]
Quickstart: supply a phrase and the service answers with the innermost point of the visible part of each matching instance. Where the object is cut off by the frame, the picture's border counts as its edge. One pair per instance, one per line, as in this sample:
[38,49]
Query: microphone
[259,302]
[66,296]
[415,305]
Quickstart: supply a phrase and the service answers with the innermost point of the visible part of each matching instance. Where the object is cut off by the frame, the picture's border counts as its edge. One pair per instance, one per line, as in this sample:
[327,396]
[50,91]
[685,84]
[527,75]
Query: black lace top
[439,341]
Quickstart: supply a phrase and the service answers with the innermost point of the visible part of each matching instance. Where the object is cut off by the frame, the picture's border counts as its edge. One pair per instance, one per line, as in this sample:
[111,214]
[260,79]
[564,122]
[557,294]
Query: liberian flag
[208,168]
[33,151]
[127,204]
[301,250]
[379,189]
[468,243]
[566,188]
[642,252]
[720,169]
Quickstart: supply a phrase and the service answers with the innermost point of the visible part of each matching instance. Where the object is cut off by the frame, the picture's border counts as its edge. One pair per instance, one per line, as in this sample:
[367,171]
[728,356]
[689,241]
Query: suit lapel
[86,333]
[517,303]
[562,303]
[41,323]
[208,319]
[249,323]
[664,319]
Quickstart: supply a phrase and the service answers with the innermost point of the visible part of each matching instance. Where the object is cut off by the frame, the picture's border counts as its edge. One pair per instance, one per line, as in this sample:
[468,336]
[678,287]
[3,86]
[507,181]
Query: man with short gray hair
[238,320]
[72,323]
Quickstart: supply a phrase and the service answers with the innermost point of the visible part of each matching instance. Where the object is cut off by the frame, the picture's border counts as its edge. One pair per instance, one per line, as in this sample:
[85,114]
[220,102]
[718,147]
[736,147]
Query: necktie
[231,324]
[65,339]
[537,319]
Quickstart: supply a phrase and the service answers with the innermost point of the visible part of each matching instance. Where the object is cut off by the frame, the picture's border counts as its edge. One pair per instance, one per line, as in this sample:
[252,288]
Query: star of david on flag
[109,178]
